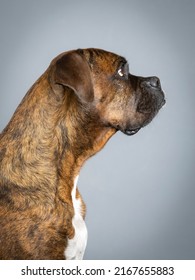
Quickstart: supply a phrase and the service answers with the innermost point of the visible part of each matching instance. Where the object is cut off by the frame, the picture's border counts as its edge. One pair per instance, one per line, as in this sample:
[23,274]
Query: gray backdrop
[139,190]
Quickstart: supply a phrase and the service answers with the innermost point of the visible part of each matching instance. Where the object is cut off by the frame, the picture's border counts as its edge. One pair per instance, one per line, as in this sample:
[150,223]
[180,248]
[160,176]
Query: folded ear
[72,70]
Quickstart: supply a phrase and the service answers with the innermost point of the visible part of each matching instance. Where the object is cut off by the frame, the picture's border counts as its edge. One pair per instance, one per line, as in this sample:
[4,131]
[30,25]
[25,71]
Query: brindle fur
[66,117]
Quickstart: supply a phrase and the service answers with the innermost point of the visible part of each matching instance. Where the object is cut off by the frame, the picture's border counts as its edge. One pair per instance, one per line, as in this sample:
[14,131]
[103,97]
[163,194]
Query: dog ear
[72,70]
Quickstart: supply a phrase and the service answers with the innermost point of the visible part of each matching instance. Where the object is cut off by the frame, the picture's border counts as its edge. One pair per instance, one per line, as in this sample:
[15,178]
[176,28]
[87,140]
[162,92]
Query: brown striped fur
[66,117]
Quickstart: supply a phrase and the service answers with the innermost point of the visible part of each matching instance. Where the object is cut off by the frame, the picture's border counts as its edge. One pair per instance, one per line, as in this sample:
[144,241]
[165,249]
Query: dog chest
[76,246]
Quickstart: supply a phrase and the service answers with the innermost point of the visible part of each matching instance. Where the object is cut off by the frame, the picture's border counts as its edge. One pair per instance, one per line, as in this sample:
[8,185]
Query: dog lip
[127,131]
[131,132]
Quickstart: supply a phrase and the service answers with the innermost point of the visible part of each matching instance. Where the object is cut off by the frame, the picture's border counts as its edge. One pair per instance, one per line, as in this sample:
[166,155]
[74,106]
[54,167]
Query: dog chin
[127,130]
[131,132]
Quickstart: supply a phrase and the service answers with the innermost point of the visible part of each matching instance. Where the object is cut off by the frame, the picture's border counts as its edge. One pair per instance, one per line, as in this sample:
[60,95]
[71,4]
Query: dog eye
[120,72]
[123,71]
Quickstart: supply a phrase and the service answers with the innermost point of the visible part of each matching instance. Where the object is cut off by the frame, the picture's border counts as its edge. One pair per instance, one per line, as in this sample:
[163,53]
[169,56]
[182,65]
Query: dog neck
[41,133]
[82,136]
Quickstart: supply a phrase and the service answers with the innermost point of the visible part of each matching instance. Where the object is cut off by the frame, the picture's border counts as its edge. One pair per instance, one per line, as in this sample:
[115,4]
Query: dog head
[101,81]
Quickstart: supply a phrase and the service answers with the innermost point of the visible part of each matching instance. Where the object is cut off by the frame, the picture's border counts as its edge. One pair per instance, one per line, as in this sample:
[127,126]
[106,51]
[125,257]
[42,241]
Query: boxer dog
[68,115]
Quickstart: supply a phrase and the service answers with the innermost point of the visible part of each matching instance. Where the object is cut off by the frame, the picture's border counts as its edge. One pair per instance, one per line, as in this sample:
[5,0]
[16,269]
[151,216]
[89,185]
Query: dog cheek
[114,115]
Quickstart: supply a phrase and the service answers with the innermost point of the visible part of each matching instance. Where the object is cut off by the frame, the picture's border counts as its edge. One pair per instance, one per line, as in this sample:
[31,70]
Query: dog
[82,99]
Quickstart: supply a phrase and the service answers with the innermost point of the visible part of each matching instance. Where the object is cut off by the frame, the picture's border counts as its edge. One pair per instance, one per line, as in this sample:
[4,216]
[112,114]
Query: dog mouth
[127,131]
[131,132]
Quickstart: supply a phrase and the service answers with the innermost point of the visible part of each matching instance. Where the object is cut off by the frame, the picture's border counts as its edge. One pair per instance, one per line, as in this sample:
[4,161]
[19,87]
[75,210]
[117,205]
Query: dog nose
[153,82]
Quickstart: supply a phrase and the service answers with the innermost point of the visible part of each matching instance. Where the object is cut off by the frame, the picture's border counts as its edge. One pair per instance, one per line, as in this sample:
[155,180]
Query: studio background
[139,190]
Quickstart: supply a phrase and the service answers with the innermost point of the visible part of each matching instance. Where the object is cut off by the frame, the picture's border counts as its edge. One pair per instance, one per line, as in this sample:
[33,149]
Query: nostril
[154,82]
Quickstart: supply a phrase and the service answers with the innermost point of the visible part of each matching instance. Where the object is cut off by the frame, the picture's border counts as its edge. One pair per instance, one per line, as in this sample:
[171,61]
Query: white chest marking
[76,246]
